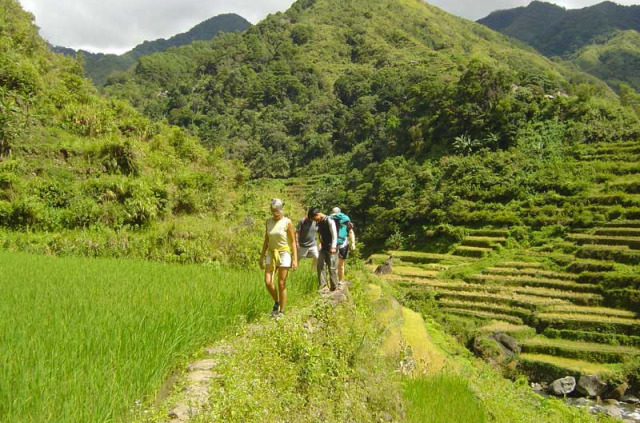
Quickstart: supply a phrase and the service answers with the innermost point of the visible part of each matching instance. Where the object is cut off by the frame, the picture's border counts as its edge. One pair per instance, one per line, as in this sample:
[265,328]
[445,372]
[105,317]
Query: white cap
[276,204]
[336,210]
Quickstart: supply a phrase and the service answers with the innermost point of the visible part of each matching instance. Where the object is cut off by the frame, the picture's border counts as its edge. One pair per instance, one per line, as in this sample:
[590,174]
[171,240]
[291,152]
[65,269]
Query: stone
[618,392]
[591,386]
[536,387]
[200,376]
[508,342]
[386,268]
[612,411]
[202,365]
[610,402]
[182,412]
[337,297]
[197,394]
[630,399]
[582,402]
[562,387]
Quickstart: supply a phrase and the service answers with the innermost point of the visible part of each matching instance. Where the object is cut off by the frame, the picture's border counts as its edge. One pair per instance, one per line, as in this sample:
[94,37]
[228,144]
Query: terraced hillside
[572,301]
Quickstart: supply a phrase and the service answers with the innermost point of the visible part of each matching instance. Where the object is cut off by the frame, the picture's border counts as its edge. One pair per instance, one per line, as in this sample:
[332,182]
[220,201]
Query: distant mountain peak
[99,66]
[555,31]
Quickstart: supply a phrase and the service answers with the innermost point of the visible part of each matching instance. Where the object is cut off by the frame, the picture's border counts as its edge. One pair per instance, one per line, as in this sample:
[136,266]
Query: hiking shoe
[280,315]
[323,289]
[275,310]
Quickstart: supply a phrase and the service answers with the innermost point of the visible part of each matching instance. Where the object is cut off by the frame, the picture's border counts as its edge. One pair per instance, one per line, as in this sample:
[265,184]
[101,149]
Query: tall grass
[442,399]
[81,340]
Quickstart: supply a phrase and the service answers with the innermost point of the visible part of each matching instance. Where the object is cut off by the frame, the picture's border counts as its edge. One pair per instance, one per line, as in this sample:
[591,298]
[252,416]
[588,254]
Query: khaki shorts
[285,259]
[308,252]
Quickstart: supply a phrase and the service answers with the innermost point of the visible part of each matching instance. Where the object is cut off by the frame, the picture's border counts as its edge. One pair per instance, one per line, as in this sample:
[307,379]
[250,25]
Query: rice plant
[82,340]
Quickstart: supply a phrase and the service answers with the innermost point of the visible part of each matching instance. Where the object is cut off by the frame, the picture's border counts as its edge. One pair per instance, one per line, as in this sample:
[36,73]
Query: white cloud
[119,25]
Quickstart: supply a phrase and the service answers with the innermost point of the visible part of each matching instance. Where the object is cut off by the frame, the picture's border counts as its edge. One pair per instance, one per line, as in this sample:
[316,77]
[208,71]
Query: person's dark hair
[312,212]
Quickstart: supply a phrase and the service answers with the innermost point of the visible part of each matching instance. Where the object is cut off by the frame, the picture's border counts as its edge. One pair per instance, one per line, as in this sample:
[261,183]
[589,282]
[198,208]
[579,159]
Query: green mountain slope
[615,61]
[555,31]
[86,175]
[381,91]
[326,76]
[100,66]
[601,40]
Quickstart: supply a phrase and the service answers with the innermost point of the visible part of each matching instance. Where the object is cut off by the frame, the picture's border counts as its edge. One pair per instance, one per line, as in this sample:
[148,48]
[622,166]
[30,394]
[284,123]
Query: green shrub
[81,213]
[120,157]
[26,212]
[186,201]
[141,204]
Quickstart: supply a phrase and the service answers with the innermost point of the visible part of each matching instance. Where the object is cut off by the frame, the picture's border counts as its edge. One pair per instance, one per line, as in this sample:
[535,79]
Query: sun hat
[336,210]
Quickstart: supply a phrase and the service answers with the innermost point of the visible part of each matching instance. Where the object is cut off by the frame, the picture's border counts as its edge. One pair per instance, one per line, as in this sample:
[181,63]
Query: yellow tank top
[278,237]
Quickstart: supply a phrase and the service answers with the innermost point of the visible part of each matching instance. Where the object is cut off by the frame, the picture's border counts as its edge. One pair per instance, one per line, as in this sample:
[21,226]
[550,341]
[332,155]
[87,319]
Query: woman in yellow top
[279,246]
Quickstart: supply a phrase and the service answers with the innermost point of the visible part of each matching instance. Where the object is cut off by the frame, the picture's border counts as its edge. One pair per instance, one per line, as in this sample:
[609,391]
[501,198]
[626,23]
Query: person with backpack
[328,248]
[346,239]
[306,239]
[281,253]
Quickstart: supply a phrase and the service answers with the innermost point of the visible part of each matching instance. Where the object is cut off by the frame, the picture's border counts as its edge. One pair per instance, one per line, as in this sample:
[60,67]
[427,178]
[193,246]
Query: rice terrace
[477,208]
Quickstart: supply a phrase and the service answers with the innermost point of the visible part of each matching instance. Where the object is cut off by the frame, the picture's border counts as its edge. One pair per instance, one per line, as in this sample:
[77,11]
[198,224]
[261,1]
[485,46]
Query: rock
[536,387]
[200,376]
[630,399]
[612,411]
[202,365]
[337,297]
[508,342]
[487,348]
[610,402]
[618,392]
[591,386]
[562,387]
[582,402]
[197,394]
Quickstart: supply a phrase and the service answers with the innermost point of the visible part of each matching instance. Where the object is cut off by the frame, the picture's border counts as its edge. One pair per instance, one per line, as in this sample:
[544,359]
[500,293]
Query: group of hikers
[283,246]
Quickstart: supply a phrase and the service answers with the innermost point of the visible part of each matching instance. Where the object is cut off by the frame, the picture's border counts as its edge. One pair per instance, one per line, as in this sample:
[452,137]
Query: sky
[116,26]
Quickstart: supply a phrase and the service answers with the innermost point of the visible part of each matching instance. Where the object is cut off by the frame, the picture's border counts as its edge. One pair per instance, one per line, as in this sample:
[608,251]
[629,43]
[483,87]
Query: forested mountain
[99,66]
[379,91]
[601,40]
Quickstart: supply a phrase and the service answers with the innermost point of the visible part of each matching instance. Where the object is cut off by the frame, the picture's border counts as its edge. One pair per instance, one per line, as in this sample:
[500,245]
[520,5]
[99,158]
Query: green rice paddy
[83,340]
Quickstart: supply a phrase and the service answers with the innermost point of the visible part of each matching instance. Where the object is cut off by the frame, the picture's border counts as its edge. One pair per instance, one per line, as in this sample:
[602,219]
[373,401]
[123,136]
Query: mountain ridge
[554,30]
[592,38]
[99,66]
